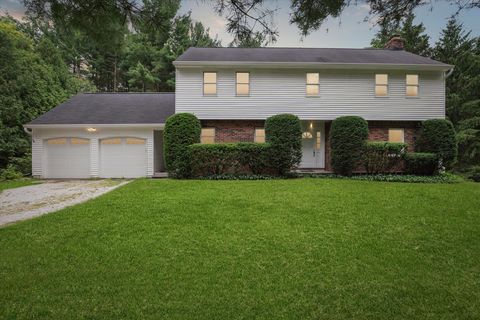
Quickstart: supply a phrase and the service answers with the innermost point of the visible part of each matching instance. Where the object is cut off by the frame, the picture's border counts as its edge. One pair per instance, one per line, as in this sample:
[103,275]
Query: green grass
[10,184]
[278,249]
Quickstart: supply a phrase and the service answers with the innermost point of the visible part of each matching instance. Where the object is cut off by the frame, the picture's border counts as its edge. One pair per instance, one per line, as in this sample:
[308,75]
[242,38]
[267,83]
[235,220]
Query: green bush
[230,158]
[421,163]
[22,164]
[181,130]
[284,133]
[474,174]
[10,173]
[438,136]
[347,139]
[382,157]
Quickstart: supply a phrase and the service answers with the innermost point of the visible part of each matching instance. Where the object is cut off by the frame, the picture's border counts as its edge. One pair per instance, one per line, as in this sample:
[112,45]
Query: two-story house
[232,91]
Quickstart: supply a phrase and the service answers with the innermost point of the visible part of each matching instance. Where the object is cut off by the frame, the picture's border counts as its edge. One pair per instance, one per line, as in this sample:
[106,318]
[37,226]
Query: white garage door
[67,158]
[123,158]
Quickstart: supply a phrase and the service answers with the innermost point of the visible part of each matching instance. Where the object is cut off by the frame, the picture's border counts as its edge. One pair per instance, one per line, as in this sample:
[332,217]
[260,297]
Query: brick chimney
[395,43]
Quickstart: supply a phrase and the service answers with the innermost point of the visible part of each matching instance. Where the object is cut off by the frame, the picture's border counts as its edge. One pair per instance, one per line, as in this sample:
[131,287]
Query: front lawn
[10,184]
[275,249]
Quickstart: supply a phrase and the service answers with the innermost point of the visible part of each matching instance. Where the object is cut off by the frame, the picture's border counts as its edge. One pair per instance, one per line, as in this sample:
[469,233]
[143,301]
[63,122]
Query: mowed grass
[281,249]
[10,184]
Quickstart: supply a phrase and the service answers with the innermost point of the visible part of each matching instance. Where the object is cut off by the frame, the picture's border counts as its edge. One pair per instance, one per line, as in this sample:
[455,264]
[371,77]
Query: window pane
[207,135]
[318,142]
[209,89]
[381,79]
[260,135]
[135,141]
[209,77]
[243,89]
[111,141]
[395,135]
[306,135]
[57,141]
[312,89]
[412,91]
[381,90]
[313,78]
[412,79]
[243,77]
[78,141]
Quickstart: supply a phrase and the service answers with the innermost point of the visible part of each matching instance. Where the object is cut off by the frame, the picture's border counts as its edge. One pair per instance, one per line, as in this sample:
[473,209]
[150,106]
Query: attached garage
[67,157]
[101,135]
[124,157]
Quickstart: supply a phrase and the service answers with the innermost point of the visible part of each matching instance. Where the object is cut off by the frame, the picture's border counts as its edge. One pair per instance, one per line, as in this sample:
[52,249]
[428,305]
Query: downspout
[449,73]
[28,131]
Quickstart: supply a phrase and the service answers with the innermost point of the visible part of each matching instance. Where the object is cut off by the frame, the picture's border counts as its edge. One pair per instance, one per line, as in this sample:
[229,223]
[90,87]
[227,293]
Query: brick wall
[233,130]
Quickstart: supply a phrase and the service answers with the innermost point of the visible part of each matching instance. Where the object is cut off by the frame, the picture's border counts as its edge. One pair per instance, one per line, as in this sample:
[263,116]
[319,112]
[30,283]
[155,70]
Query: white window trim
[403,134]
[375,86]
[214,134]
[412,85]
[312,84]
[237,83]
[204,83]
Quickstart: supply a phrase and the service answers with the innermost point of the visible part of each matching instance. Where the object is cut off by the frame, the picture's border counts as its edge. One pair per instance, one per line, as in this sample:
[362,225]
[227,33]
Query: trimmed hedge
[347,139]
[230,158]
[438,136]
[284,133]
[181,130]
[382,157]
[421,163]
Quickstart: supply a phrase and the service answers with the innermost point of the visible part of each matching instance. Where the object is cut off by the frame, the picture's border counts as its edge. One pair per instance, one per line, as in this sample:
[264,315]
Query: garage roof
[305,55]
[111,108]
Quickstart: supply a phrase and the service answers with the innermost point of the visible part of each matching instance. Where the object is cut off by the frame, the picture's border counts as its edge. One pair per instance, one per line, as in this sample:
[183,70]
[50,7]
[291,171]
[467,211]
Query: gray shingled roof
[306,55]
[111,108]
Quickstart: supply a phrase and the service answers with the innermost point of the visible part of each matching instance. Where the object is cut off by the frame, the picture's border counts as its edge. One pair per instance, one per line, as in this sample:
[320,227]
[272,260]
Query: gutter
[27,130]
[93,125]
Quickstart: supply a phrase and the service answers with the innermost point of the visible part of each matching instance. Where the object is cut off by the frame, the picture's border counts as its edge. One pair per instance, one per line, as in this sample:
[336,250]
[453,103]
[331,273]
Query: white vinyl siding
[283,91]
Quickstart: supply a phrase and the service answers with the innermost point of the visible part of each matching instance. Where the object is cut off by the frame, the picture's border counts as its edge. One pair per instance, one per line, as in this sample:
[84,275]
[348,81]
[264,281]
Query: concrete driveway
[52,195]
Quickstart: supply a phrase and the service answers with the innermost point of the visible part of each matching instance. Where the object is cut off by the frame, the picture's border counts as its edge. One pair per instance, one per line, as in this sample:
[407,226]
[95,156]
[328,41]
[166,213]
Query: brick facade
[244,131]
[233,130]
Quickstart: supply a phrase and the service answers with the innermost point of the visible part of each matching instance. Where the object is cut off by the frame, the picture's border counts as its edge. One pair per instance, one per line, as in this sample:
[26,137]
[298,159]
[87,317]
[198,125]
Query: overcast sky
[348,31]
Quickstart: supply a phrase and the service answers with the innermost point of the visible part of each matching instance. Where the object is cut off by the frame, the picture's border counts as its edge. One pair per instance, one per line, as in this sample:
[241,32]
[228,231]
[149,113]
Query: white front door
[313,144]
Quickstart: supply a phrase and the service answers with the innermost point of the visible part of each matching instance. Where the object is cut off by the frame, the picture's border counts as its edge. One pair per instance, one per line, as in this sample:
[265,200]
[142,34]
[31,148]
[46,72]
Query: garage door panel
[123,158]
[67,158]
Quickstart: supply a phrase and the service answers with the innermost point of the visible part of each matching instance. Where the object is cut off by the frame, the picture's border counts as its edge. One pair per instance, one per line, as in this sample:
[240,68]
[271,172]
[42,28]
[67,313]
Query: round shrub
[421,163]
[181,130]
[438,136]
[347,140]
[284,133]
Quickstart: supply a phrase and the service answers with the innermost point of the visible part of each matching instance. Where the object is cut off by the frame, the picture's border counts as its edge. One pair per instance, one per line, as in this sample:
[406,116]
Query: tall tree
[457,47]
[416,40]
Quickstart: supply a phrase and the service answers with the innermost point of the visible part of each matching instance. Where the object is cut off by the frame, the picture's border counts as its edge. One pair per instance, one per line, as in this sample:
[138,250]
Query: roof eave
[320,65]
[94,125]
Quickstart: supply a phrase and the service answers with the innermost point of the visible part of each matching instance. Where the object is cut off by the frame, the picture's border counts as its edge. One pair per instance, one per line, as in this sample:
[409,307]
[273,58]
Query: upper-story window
[313,84]
[381,85]
[243,83]
[412,85]
[209,83]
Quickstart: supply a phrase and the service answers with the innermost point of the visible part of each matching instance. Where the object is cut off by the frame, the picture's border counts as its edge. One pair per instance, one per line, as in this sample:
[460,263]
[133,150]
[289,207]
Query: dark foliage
[284,133]
[347,139]
[438,136]
[382,157]
[181,131]
[421,163]
[230,158]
